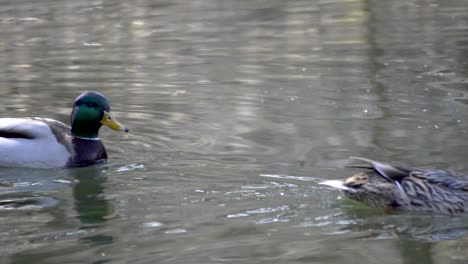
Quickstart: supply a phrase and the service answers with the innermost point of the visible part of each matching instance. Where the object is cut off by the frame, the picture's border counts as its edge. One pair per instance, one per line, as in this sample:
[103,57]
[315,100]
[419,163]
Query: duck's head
[90,111]
[368,188]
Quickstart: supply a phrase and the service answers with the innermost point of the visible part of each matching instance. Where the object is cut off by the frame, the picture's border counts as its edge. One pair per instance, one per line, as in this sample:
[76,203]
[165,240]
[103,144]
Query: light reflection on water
[237,110]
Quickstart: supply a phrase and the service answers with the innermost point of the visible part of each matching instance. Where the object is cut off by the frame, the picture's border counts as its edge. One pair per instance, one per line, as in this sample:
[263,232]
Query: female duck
[390,187]
[47,143]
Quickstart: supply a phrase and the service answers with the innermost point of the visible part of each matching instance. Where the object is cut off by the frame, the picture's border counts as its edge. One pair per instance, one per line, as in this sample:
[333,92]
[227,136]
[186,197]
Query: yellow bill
[109,121]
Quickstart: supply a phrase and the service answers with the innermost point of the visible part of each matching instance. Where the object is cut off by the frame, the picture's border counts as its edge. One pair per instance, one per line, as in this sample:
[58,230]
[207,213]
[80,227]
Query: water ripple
[27,203]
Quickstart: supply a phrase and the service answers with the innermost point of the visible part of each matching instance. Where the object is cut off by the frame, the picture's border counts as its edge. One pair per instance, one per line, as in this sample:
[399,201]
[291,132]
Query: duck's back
[34,142]
[438,191]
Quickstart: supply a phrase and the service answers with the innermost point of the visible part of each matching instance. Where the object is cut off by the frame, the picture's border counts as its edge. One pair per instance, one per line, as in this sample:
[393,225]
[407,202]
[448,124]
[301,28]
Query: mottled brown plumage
[389,186]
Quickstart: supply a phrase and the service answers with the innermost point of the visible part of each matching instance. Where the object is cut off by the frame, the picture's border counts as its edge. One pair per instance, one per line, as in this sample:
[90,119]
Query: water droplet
[92,44]
[176,231]
[152,224]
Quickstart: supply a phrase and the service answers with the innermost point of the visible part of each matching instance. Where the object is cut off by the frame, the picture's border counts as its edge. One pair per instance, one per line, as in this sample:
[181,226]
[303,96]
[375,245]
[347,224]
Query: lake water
[237,109]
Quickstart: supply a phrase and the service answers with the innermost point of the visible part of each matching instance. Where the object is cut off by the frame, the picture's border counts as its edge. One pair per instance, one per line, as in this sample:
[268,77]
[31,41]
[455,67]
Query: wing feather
[27,128]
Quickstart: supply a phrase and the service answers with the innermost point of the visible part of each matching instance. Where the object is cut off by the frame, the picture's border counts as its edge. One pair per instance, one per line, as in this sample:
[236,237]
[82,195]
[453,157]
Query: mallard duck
[46,143]
[390,187]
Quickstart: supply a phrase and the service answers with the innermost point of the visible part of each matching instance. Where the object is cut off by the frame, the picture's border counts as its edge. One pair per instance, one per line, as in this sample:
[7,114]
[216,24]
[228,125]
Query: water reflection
[48,196]
[92,207]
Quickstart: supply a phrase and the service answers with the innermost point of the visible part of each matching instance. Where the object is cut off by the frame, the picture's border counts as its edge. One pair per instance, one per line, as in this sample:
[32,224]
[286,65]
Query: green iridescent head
[90,111]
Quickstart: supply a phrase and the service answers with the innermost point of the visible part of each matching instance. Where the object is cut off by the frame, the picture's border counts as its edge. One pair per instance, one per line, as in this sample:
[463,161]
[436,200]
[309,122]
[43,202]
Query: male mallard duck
[47,143]
[395,187]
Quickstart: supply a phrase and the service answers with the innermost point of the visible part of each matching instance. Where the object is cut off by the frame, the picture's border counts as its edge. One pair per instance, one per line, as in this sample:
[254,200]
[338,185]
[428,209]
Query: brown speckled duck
[47,143]
[390,187]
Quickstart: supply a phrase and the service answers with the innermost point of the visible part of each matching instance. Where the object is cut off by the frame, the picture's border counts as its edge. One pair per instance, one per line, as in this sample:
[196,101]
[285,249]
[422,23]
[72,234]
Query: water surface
[237,110]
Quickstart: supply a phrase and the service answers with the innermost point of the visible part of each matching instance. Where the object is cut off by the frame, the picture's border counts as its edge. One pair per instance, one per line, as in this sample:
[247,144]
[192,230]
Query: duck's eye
[92,105]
